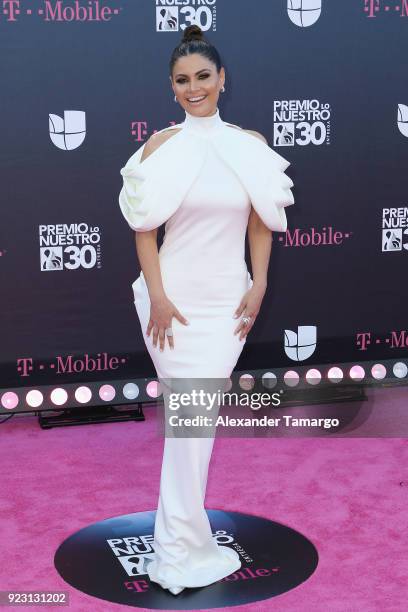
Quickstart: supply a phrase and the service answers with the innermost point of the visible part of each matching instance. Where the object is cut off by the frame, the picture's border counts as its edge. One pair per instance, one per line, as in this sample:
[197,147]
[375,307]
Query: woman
[208,181]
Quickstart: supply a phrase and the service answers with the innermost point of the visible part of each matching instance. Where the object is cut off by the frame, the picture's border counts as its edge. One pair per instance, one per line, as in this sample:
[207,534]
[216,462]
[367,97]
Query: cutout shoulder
[156,140]
[252,132]
[257,134]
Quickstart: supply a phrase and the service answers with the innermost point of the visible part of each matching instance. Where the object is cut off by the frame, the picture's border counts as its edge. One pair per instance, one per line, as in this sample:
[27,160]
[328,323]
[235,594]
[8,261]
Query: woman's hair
[193,41]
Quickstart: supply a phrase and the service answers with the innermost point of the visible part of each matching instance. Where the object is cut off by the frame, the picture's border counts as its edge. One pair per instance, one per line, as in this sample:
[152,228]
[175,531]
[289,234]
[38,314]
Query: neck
[203,125]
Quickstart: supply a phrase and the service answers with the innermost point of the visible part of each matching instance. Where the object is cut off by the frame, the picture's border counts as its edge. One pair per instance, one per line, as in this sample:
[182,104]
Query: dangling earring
[223,89]
[175,98]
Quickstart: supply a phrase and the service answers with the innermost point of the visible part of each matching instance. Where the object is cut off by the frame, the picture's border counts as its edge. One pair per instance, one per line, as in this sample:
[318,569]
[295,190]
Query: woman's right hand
[162,310]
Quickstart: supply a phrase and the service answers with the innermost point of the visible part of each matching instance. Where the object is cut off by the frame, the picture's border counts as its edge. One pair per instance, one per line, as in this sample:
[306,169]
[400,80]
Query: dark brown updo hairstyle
[194,41]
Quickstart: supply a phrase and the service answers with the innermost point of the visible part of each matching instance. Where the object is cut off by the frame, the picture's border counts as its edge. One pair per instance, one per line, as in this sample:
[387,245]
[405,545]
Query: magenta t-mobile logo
[371,7]
[60,10]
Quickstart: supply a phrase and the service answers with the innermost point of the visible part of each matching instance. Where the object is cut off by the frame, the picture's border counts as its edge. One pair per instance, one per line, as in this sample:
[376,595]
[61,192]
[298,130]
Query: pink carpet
[348,496]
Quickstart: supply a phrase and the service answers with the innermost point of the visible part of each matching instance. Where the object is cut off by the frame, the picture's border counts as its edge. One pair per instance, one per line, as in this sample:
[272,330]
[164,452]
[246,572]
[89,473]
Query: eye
[202,76]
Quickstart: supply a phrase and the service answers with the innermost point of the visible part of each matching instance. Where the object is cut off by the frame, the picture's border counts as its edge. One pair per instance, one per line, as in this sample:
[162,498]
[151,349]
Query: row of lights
[335,374]
[130,391]
[83,395]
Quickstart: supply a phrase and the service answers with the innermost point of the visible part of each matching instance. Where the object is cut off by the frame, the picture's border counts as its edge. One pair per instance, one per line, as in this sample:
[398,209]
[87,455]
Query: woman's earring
[223,89]
[175,98]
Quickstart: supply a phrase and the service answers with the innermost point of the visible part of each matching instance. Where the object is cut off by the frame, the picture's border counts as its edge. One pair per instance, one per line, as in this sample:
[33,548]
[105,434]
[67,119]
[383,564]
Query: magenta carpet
[348,496]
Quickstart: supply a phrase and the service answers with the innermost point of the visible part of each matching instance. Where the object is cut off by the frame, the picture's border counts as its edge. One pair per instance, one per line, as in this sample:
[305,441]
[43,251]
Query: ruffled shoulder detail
[153,189]
[262,172]
[132,197]
[277,194]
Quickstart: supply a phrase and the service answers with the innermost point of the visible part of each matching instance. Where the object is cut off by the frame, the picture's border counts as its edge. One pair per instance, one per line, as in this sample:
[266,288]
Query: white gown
[200,183]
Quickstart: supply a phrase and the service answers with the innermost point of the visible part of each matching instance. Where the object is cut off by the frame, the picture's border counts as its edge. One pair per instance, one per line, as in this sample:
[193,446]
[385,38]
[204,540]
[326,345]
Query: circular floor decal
[109,559]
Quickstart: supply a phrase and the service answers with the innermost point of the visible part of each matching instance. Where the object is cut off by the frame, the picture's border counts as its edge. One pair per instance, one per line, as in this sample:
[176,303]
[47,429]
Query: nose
[194,88]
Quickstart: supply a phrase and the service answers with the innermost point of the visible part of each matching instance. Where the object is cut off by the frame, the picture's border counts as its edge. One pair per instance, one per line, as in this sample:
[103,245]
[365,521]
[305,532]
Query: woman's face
[195,76]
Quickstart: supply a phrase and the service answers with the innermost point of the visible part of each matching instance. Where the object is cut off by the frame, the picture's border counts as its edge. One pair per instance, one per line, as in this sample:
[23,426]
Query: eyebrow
[198,72]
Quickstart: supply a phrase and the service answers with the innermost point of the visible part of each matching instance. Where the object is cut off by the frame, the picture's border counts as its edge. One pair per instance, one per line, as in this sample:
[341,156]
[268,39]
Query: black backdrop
[347,59]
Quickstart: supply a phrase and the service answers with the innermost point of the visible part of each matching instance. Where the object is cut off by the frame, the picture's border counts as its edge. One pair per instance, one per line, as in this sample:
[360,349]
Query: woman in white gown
[208,181]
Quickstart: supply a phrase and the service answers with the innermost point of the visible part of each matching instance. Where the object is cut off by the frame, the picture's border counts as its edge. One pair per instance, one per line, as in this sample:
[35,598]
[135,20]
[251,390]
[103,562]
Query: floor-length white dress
[200,183]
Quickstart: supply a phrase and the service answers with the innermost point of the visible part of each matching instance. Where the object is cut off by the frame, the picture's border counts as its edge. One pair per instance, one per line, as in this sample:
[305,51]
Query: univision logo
[301,345]
[403,119]
[304,13]
[69,132]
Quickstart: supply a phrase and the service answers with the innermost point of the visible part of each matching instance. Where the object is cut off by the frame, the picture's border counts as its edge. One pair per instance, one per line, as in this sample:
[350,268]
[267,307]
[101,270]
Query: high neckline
[203,125]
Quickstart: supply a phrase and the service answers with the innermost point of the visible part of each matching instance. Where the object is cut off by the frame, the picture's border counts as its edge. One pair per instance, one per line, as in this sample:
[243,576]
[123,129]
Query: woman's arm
[260,245]
[146,241]
[162,310]
[148,255]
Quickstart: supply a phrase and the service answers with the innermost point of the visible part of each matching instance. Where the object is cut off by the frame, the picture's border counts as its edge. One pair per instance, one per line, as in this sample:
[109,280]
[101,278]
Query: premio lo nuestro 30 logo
[70,247]
[395,229]
[173,18]
[301,122]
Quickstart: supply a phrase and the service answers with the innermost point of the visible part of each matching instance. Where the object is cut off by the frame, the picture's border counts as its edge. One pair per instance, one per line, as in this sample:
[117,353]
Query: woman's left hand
[249,307]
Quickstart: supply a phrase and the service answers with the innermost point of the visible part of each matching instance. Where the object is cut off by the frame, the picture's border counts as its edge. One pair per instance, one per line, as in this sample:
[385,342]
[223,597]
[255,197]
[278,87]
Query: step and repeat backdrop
[85,83]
